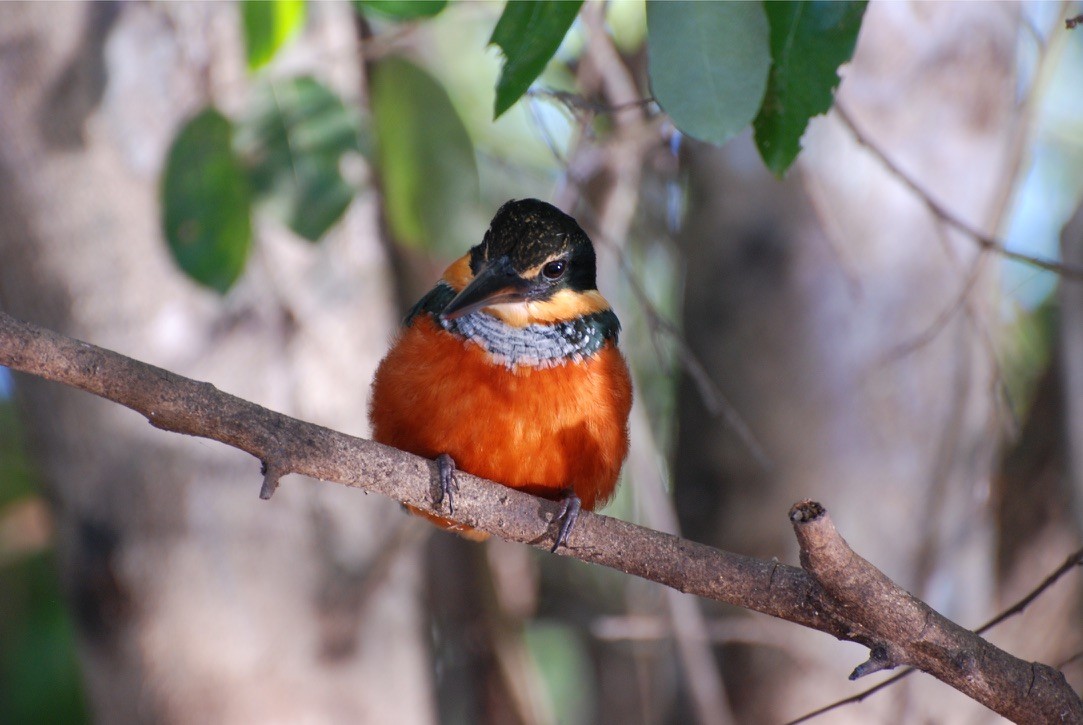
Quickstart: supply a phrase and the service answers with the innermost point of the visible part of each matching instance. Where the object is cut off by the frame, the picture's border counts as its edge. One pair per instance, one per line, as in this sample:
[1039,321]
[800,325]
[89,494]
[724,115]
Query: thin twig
[543,129]
[1070,563]
[1074,658]
[713,398]
[929,333]
[986,242]
[575,102]
[853,699]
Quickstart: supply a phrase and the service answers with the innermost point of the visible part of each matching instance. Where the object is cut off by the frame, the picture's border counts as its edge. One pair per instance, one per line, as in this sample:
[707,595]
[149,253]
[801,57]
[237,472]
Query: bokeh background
[840,334]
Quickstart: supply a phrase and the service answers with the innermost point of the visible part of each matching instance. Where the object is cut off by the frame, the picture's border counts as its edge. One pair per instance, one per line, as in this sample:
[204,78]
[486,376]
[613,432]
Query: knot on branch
[880,659]
[272,472]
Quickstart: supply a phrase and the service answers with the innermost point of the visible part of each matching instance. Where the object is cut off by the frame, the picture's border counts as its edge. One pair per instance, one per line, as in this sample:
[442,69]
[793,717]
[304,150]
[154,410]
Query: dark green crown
[529,232]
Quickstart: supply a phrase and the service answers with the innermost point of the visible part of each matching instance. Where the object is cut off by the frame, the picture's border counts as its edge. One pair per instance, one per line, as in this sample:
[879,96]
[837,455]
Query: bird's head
[535,264]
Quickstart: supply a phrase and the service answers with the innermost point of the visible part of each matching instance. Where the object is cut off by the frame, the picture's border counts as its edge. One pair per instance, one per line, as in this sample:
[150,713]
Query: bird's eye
[554,270]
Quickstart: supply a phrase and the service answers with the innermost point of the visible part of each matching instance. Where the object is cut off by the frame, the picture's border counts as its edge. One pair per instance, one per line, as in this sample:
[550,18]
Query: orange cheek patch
[564,305]
[458,275]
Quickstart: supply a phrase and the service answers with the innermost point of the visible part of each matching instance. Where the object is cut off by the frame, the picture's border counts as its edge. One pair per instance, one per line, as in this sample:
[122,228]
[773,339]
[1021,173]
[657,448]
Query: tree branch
[1073,561]
[836,592]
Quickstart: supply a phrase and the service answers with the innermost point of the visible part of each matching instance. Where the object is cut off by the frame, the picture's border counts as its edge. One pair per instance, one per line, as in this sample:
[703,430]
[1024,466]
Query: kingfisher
[509,369]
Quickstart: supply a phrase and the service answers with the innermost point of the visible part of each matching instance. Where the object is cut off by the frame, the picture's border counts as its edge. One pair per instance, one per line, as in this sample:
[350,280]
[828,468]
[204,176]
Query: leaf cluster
[715,69]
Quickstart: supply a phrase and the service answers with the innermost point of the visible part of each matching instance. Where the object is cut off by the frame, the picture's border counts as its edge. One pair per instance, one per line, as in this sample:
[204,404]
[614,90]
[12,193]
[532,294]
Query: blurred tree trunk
[194,600]
[1070,364]
[827,308]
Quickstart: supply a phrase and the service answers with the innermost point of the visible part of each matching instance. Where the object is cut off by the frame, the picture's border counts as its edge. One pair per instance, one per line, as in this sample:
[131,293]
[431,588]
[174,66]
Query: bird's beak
[494,284]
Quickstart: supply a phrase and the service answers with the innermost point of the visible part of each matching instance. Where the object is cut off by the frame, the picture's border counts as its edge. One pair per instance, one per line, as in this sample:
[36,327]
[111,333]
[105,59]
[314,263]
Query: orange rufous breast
[540,430]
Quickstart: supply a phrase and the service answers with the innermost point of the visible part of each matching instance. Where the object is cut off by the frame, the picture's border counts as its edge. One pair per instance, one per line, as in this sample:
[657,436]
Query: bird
[508,369]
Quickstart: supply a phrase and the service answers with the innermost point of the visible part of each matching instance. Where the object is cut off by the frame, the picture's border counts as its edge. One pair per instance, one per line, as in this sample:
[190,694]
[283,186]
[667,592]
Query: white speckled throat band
[536,346]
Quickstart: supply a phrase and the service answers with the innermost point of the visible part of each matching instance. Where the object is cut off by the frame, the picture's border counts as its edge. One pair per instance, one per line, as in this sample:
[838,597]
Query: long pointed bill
[497,282]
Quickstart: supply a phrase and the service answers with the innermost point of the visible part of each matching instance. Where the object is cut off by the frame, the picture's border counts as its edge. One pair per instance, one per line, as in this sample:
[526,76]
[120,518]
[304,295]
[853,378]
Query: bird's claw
[570,506]
[446,466]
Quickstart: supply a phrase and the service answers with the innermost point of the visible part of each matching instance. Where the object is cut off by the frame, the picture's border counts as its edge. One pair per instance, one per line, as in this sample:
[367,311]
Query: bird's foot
[446,466]
[570,506]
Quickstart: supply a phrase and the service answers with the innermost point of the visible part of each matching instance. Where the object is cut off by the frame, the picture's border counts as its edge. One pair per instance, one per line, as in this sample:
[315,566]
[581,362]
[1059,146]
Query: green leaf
[205,202]
[42,681]
[529,33]
[403,9]
[809,41]
[293,142]
[426,159]
[708,64]
[268,25]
